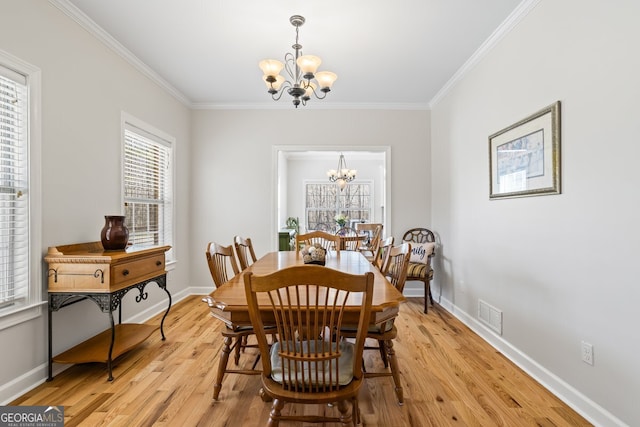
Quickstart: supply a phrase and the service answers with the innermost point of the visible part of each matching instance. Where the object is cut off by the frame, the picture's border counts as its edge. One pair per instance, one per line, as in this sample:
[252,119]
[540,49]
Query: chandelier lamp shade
[303,78]
[343,175]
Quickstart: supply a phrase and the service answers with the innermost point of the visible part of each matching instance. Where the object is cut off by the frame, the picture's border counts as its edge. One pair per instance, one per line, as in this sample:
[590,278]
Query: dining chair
[326,240]
[374,235]
[386,332]
[223,266]
[420,268]
[350,239]
[311,363]
[244,251]
[381,259]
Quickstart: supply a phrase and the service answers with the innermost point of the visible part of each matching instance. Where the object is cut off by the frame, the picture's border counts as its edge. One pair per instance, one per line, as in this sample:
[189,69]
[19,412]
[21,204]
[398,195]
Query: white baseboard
[590,410]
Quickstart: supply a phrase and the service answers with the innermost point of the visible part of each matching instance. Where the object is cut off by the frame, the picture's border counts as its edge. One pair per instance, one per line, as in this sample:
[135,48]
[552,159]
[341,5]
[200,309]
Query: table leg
[164,288]
[113,340]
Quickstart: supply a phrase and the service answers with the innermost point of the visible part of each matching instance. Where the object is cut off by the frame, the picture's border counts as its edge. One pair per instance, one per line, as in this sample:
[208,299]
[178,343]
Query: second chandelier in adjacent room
[343,175]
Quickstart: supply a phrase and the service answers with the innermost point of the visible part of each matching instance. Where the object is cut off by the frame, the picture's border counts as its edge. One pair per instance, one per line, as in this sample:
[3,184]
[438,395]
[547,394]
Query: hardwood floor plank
[450,376]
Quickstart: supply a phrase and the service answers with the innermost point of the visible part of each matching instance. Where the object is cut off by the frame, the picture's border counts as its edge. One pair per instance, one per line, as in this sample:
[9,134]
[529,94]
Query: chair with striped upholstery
[423,250]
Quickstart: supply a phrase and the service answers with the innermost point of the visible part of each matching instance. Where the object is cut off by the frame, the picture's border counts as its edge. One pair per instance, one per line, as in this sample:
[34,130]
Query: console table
[86,271]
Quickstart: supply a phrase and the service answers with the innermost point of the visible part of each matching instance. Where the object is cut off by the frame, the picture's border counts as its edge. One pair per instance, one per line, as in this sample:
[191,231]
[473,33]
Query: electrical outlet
[587,353]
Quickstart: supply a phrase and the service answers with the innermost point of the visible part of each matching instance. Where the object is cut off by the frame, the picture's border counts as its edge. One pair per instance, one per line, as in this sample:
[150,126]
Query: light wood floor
[451,377]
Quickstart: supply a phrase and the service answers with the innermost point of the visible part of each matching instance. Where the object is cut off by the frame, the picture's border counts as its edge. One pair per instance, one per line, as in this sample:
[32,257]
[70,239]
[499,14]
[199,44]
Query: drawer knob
[158,263]
[125,272]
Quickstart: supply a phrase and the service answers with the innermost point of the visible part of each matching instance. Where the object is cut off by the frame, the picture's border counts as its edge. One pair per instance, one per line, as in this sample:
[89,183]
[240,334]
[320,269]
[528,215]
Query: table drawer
[78,277]
[137,270]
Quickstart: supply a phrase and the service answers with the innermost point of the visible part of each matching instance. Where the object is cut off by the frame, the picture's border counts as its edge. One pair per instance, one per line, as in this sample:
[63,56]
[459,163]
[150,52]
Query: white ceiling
[392,54]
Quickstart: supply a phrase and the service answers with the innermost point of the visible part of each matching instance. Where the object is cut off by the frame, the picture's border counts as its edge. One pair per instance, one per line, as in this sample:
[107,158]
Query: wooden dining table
[229,303]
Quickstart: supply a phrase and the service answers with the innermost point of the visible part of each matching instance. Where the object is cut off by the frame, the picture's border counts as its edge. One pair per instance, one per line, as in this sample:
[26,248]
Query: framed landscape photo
[524,158]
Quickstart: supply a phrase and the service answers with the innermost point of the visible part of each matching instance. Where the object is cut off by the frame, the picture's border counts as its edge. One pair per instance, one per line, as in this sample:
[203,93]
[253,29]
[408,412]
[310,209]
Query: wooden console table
[87,271]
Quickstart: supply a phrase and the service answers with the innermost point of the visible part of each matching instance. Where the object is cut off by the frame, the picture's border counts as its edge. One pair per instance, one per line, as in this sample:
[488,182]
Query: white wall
[85,87]
[232,167]
[562,268]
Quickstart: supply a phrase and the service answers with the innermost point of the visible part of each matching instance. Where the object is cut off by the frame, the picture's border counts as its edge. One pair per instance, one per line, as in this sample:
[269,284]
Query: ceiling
[387,54]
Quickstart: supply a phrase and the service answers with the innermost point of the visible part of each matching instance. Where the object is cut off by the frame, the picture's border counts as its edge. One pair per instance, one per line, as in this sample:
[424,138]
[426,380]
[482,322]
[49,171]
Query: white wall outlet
[587,353]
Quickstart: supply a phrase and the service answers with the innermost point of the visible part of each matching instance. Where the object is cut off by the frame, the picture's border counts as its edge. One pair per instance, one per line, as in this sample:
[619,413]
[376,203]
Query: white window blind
[14,199]
[148,191]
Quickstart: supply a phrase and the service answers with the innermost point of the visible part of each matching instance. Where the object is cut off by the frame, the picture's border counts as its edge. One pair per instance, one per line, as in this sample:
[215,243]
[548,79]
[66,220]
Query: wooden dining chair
[222,265]
[386,332]
[373,231]
[381,259]
[312,363]
[423,242]
[328,241]
[350,239]
[244,251]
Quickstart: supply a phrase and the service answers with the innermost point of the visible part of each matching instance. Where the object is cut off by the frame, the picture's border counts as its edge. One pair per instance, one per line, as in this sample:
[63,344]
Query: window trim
[33,308]
[129,121]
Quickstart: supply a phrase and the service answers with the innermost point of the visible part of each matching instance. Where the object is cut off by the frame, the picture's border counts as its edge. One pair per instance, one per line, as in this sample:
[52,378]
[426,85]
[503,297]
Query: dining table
[228,302]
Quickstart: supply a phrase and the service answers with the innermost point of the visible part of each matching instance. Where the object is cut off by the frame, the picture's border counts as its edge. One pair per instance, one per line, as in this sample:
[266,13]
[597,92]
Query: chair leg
[427,295]
[395,370]
[222,366]
[355,412]
[345,417]
[274,416]
[240,344]
[383,353]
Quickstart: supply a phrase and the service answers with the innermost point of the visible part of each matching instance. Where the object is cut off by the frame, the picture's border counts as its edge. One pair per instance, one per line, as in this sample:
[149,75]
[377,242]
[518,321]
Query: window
[148,186]
[323,201]
[20,257]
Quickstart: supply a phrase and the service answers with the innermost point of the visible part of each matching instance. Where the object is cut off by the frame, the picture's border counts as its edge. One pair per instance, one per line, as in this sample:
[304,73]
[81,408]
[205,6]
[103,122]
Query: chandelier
[342,175]
[303,80]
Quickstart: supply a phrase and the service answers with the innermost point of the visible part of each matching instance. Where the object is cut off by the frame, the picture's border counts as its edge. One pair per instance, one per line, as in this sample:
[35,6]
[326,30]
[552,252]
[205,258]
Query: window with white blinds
[15,292]
[148,189]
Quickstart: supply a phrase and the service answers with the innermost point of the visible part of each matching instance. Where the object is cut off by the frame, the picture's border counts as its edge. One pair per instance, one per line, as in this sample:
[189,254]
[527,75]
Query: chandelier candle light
[301,70]
[342,175]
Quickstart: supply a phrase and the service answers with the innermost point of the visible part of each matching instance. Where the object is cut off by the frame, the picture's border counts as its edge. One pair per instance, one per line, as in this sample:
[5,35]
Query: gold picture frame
[524,158]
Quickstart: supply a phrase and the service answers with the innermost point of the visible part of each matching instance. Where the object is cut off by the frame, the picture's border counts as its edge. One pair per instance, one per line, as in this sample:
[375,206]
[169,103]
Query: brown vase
[115,234]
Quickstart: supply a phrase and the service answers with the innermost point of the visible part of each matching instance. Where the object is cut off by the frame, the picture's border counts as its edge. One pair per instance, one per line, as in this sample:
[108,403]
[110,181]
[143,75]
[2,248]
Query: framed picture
[524,159]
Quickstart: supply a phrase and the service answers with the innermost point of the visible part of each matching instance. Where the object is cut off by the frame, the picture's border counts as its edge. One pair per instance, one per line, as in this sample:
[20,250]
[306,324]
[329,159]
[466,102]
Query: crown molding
[88,24]
[507,25]
[312,106]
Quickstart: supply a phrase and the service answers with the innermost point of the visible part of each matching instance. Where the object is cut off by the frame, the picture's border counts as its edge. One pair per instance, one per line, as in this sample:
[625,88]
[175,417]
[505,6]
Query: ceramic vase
[115,234]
